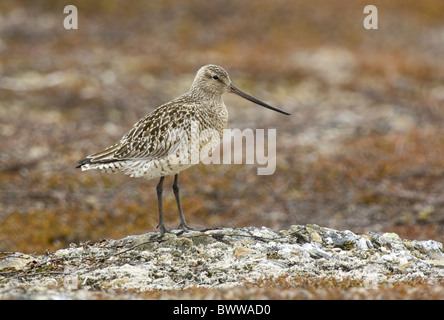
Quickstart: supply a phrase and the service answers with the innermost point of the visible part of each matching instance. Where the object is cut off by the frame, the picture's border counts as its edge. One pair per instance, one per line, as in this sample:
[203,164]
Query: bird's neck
[199,95]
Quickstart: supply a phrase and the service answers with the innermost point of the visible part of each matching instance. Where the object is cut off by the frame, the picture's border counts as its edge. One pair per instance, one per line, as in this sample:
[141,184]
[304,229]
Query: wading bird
[151,148]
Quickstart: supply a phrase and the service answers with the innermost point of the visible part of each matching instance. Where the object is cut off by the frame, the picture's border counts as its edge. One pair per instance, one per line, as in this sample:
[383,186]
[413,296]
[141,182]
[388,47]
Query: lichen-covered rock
[217,258]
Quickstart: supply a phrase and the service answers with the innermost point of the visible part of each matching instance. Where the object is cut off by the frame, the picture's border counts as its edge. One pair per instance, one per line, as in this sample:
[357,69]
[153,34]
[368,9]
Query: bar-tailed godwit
[152,147]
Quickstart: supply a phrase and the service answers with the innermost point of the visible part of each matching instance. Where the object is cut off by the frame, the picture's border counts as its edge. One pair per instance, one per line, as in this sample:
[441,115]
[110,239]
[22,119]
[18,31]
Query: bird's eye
[215,77]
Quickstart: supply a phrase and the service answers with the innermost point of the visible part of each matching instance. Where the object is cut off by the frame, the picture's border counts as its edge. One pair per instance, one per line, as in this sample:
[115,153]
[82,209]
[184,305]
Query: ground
[362,149]
[302,262]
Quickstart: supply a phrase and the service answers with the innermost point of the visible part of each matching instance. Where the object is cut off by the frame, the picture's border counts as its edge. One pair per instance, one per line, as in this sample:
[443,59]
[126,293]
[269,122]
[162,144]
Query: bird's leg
[183,223]
[159,190]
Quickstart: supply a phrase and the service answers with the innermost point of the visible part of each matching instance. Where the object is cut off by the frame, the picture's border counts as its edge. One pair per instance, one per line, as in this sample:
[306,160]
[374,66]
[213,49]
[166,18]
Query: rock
[216,258]
[15,261]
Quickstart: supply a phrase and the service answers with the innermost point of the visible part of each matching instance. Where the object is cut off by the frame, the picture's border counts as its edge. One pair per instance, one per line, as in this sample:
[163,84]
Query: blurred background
[362,150]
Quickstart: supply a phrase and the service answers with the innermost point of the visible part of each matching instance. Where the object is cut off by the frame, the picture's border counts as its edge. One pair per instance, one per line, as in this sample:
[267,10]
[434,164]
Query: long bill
[244,95]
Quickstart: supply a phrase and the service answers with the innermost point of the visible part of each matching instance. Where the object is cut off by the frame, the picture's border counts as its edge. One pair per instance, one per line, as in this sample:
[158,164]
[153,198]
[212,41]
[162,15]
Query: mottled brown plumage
[155,143]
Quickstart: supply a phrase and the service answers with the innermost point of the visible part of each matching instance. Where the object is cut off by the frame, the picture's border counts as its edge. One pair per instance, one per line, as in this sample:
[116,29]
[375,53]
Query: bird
[152,146]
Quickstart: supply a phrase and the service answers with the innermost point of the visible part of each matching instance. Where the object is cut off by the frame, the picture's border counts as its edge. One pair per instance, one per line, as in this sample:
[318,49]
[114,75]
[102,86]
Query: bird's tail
[80,163]
[105,156]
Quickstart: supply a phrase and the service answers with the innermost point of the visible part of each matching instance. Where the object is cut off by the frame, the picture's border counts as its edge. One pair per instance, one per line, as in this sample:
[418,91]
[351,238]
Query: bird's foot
[163,230]
[186,227]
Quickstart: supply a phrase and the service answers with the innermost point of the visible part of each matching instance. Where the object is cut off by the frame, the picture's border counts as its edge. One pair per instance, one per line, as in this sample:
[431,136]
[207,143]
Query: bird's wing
[157,135]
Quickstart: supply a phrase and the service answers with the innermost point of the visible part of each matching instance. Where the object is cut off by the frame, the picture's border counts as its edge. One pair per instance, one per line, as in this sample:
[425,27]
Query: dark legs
[159,190]
[183,223]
